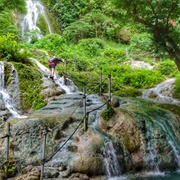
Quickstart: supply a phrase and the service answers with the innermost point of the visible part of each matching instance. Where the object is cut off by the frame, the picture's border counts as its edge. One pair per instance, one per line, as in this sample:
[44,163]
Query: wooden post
[7,148]
[96,62]
[65,71]
[75,61]
[100,84]
[109,90]
[65,66]
[43,152]
[84,105]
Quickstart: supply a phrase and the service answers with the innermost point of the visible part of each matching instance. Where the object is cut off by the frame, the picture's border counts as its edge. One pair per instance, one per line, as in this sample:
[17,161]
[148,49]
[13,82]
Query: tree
[159,17]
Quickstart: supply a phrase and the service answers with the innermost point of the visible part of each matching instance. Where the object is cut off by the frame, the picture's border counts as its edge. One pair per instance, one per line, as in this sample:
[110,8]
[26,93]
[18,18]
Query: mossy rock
[107,113]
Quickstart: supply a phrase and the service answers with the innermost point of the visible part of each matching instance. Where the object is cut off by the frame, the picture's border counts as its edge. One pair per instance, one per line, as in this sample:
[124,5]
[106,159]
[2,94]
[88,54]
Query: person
[52,64]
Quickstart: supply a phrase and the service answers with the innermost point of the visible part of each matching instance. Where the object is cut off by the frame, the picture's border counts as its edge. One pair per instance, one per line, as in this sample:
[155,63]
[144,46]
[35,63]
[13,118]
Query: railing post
[109,90]
[7,148]
[96,62]
[100,84]
[75,62]
[65,66]
[43,152]
[84,105]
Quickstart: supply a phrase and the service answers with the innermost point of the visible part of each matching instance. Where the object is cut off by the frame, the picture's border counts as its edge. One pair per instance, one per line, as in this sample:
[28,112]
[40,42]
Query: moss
[30,87]
[107,113]
[171,107]
[7,73]
[8,171]
[127,92]
[43,25]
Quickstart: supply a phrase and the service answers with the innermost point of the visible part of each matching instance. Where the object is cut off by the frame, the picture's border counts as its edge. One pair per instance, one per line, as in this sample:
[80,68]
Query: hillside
[91,35]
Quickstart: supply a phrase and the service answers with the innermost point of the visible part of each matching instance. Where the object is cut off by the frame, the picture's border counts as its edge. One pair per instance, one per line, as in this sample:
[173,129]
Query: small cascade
[172,140]
[166,123]
[62,82]
[151,157]
[176,152]
[30,20]
[161,93]
[109,155]
[110,160]
[1,76]
[8,101]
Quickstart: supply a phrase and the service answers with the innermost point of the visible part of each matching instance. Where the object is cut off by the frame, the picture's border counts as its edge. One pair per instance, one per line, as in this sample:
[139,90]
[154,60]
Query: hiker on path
[53,61]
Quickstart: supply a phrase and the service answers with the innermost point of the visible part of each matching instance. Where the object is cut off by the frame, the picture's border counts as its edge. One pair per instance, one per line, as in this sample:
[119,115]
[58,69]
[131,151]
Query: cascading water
[171,139]
[152,158]
[161,93]
[62,82]
[8,101]
[110,160]
[30,20]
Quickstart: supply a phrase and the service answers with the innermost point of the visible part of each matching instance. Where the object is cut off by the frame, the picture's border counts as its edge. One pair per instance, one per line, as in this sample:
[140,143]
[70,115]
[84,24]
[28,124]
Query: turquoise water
[166,177]
[150,176]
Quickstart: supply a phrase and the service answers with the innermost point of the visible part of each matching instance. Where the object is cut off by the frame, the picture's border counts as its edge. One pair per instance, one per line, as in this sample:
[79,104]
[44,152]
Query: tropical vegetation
[94,35]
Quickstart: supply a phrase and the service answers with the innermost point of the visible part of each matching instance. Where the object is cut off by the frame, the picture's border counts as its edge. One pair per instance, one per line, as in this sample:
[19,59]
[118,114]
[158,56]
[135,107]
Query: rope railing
[46,130]
[69,115]
[100,93]
[74,131]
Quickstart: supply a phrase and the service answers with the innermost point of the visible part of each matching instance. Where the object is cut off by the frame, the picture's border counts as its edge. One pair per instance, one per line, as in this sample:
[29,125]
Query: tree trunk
[173,51]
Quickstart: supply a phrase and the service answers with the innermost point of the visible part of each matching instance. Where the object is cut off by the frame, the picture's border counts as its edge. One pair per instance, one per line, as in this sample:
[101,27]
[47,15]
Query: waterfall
[109,155]
[1,76]
[7,100]
[110,160]
[30,20]
[151,157]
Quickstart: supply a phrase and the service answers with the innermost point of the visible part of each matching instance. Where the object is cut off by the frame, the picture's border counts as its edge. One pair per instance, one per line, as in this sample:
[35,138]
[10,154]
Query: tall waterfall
[30,20]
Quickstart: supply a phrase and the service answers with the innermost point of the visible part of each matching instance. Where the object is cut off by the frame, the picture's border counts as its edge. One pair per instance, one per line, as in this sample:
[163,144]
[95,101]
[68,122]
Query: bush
[141,41]
[142,78]
[78,30]
[115,54]
[167,67]
[92,47]
[53,43]
[176,91]
[11,51]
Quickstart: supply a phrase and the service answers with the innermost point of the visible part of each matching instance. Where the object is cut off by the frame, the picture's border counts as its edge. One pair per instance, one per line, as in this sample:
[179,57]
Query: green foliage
[107,113]
[124,75]
[103,25]
[11,51]
[42,25]
[176,90]
[92,47]
[68,11]
[53,43]
[90,80]
[167,67]
[78,30]
[118,54]
[30,87]
[7,74]
[6,23]
[125,91]
[142,78]
[13,4]
[141,41]
[159,19]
